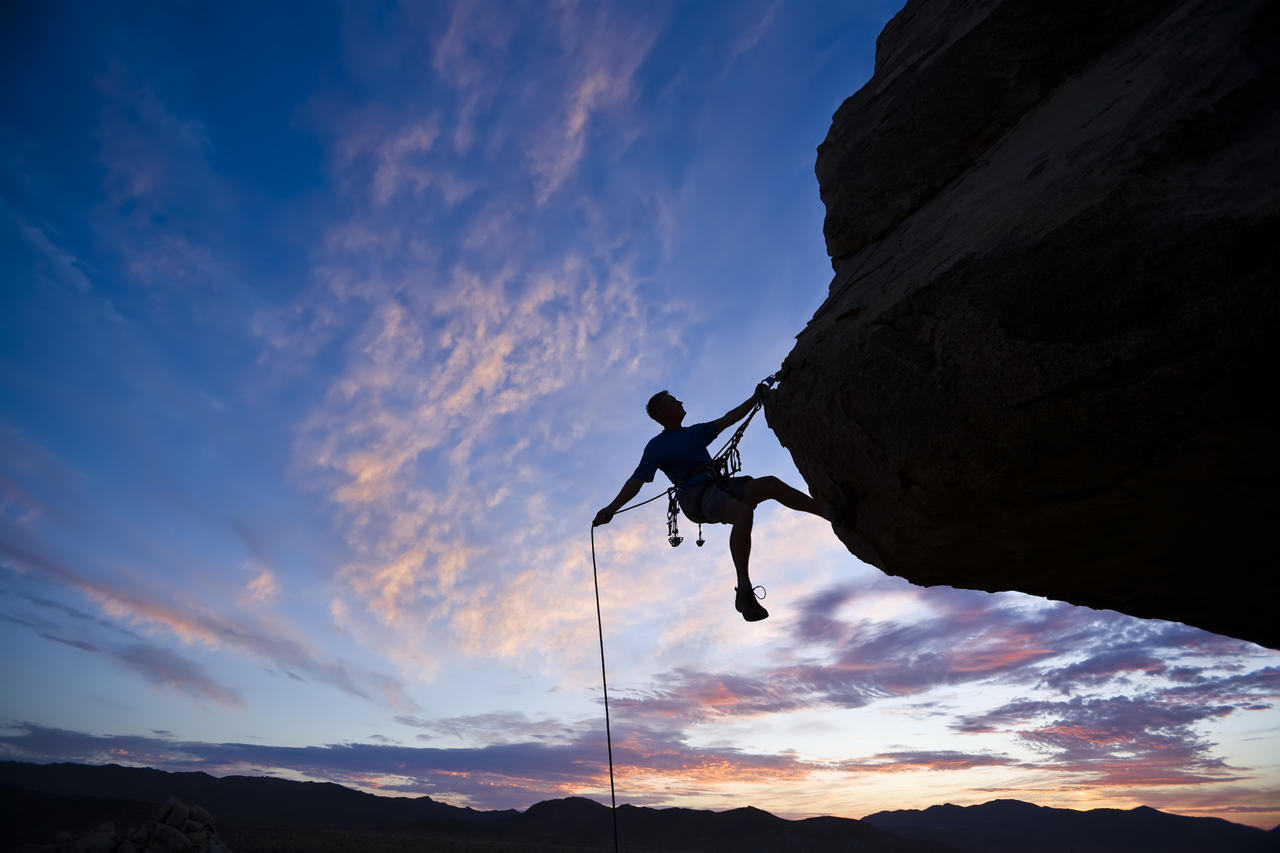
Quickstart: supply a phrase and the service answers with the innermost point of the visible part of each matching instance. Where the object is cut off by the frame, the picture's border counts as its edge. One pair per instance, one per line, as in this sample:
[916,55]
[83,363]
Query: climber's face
[670,411]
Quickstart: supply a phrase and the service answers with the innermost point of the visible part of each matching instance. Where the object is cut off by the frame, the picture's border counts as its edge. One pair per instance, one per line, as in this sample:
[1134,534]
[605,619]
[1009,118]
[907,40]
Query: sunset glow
[327,328]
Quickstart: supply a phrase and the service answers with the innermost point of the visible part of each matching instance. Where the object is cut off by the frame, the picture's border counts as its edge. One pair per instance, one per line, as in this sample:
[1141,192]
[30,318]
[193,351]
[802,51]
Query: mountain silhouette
[36,801]
[585,822]
[240,799]
[1009,826]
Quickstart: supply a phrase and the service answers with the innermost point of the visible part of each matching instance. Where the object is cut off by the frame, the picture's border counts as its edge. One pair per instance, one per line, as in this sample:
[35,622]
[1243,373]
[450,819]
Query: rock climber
[704,496]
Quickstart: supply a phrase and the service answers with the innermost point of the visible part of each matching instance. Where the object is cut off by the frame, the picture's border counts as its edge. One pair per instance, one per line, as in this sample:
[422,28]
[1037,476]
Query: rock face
[1045,362]
[176,828]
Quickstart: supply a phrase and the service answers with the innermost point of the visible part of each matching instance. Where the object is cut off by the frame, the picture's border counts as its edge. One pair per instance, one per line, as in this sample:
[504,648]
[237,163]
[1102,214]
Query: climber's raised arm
[740,411]
[629,490]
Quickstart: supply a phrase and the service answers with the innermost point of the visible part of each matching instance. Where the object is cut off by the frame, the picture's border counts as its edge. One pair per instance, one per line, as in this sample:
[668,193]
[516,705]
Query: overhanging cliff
[1045,362]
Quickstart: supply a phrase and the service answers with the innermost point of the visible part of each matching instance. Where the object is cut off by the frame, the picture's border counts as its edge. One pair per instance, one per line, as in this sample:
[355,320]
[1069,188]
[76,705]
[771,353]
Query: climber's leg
[741,515]
[762,489]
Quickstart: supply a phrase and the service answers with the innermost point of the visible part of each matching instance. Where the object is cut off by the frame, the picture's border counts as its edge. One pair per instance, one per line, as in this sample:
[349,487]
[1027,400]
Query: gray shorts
[705,503]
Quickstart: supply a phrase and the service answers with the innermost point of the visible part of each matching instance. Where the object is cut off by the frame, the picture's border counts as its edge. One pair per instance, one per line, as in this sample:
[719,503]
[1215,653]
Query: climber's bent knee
[761,489]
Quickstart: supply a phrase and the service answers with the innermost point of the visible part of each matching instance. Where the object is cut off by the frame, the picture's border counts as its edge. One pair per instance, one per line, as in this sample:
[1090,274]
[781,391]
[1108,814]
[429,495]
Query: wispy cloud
[606,55]
[1100,669]
[956,639]
[493,727]
[751,36]
[159,189]
[474,57]
[57,608]
[598,52]
[193,624]
[160,666]
[59,264]
[75,644]
[910,761]
[1182,679]
[396,166]
[168,669]
[1118,740]
[152,156]
[459,358]
[264,587]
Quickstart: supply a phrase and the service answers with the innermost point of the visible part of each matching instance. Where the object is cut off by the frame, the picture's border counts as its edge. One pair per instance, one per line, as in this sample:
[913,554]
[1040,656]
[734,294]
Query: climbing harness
[726,463]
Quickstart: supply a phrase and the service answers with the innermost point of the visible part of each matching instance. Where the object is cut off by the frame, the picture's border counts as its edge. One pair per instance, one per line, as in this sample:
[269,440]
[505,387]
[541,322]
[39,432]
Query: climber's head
[665,409]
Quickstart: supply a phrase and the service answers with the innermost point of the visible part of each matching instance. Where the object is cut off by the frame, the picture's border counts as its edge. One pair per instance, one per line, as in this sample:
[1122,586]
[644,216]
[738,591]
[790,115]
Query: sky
[325,330]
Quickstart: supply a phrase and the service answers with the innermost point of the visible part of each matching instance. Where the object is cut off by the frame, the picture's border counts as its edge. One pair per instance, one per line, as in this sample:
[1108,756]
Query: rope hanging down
[604,683]
[726,463]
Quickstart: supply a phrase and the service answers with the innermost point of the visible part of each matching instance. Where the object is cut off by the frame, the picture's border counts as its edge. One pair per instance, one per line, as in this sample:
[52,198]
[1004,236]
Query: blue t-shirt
[680,453]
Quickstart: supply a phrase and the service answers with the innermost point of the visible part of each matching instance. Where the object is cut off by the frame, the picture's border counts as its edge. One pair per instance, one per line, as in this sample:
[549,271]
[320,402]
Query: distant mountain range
[38,800]
[1008,825]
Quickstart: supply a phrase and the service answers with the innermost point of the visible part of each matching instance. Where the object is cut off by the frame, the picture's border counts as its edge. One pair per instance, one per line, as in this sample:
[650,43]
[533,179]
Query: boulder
[175,828]
[1044,358]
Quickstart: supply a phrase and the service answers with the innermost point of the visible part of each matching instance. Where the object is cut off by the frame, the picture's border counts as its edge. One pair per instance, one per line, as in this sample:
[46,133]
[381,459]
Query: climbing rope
[604,683]
[726,463]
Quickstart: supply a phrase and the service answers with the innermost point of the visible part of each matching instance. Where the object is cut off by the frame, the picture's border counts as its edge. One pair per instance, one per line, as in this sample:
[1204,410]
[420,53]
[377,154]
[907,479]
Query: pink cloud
[197,625]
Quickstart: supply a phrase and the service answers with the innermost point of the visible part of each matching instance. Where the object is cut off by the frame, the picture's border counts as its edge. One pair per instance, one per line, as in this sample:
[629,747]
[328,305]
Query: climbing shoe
[744,602]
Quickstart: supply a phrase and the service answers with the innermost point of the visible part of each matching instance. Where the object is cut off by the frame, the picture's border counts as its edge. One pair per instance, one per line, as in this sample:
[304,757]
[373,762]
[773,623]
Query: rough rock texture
[176,828]
[1045,362]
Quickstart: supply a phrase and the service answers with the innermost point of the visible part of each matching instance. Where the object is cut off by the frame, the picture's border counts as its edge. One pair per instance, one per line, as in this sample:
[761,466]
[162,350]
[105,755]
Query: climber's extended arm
[629,490]
[739,412]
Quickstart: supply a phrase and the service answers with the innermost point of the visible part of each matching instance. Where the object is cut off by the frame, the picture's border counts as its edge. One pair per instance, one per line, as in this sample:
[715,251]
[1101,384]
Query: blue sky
[325,330]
